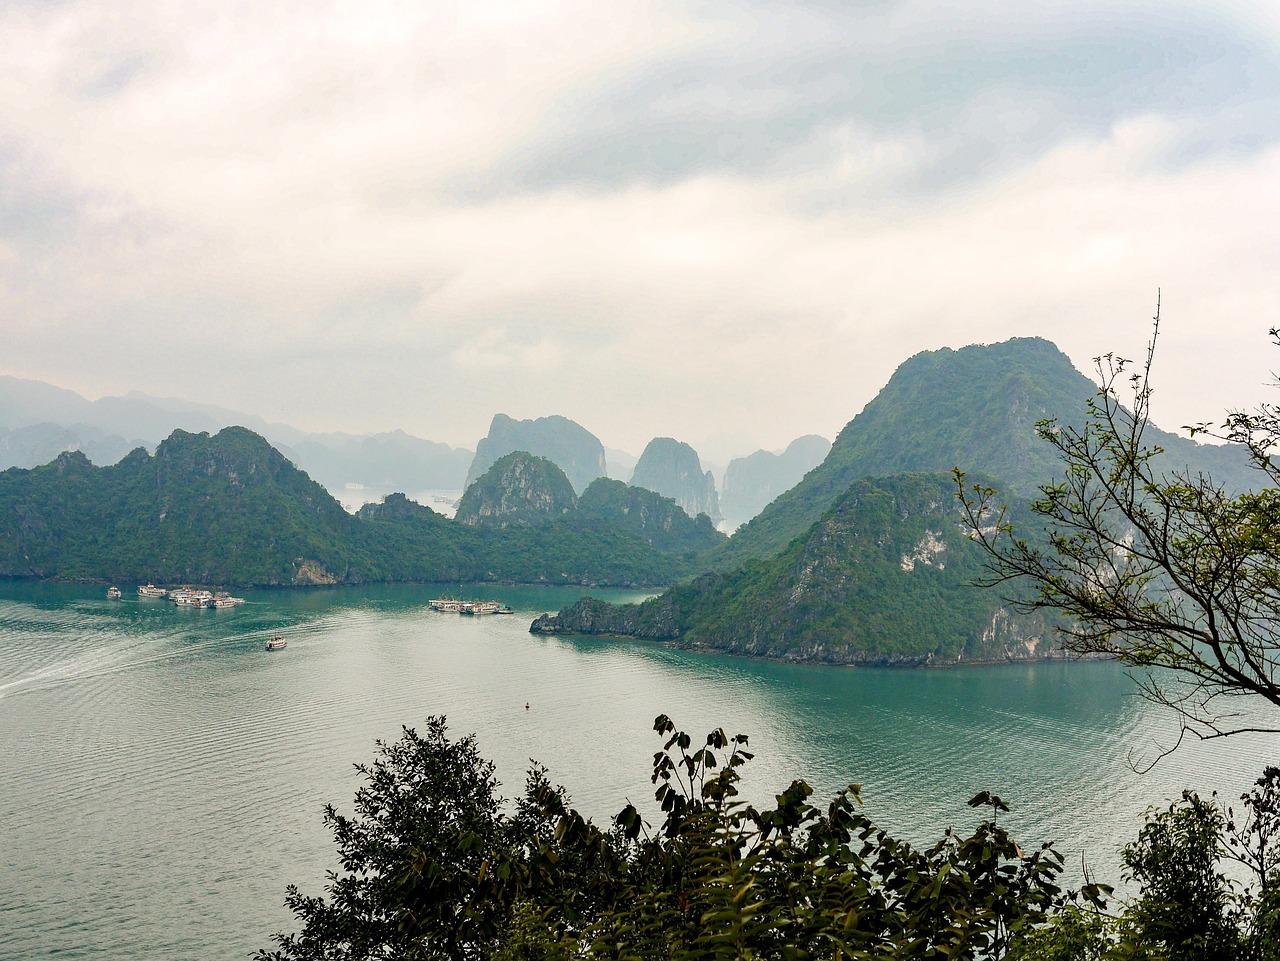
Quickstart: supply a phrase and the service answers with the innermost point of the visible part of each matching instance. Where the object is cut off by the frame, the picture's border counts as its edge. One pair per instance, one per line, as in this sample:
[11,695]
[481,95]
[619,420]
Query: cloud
[985,86]
[693,220]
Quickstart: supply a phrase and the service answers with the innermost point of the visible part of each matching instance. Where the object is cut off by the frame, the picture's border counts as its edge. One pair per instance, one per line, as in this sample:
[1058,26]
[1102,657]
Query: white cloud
[263,206]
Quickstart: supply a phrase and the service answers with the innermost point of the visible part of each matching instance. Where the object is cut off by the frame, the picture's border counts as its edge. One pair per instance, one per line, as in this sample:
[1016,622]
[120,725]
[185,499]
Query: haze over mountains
[859,562]
[672,468]
[39,421]
[750,483]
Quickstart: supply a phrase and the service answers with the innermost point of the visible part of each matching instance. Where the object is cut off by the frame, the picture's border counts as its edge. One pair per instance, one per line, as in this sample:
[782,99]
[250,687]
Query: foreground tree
[1165,571]
[436,866]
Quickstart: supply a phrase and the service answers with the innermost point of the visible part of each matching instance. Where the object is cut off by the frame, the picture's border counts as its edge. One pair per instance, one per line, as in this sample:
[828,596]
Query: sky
[722,222]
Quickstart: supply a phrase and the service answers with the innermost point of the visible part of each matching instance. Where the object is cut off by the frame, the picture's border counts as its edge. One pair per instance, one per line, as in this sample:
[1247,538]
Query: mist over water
[163,775]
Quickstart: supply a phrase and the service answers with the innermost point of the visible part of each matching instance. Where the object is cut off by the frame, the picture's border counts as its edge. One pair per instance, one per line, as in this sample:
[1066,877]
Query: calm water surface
[162,775]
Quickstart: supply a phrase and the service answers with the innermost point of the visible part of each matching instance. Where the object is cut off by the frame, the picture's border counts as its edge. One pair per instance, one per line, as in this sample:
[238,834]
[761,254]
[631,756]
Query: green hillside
[658,521]
[409,542]
[222,509]
[975,408]
[231,510]
[885,576]
[518,488]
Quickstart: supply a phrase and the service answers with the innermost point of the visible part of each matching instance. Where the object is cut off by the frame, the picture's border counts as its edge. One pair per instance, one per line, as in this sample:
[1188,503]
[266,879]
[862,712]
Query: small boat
[113,593]
[277,643]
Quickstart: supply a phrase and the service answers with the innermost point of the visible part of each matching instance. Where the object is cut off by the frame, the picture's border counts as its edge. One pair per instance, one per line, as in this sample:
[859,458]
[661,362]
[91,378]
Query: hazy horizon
[725,223]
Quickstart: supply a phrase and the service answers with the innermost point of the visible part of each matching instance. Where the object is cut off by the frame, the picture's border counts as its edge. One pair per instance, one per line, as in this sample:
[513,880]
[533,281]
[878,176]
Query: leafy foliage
[1166,571]
[435,867]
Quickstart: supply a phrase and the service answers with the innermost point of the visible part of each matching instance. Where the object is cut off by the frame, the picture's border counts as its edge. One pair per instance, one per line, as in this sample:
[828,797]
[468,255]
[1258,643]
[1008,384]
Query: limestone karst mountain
[751,483]
[657,520]
[568,445]
[975,408]
[672,468]
[885,576]
[519,488]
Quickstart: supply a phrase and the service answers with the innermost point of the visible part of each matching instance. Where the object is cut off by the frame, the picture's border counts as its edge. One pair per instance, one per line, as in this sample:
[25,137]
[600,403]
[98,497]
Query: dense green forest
[231,510]
[518,488]
[658,520]
[885,576]
[975,408]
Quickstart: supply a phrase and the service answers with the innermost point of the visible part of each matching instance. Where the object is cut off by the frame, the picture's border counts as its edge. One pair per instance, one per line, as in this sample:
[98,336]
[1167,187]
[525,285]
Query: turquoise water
[163,775]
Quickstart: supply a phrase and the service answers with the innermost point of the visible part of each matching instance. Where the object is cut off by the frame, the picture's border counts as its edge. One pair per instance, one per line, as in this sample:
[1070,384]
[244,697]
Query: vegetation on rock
[975,408]
[885,576]
[672,468]
[519,488]
[231,510]
[226,509]
[568,445]
[659,521]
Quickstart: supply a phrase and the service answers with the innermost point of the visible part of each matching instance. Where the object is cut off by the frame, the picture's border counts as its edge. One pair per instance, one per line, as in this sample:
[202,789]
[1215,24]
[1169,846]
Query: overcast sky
[724,222]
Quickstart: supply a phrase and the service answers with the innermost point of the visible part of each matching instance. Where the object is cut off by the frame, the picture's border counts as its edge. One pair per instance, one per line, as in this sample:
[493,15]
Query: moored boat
[150,590]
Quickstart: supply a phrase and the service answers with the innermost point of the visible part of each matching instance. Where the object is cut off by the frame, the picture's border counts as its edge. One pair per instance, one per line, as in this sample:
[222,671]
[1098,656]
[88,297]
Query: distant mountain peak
[672,468]
[567,444]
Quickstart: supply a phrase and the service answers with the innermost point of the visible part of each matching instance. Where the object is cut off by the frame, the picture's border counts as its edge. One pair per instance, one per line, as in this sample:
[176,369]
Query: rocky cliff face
[885,577]
[750,483]
[672,468]
[570,446]
[519,488]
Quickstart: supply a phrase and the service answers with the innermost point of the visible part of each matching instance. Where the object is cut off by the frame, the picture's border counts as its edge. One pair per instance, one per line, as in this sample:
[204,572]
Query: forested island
[865,561]
[231,510]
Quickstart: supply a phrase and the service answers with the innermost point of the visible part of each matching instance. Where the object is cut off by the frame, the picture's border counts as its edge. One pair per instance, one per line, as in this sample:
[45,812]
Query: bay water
[162,775]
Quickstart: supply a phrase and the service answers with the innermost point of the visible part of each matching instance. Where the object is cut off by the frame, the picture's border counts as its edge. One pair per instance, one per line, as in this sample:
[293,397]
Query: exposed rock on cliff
[975,408]
[884,577]
[519,488]
[672,468]
[570,446]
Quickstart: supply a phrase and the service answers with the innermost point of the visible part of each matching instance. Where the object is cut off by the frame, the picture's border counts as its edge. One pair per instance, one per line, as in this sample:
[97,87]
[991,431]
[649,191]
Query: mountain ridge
[975,408]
